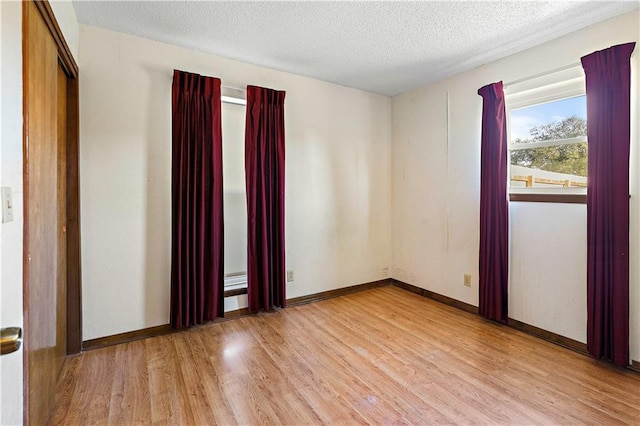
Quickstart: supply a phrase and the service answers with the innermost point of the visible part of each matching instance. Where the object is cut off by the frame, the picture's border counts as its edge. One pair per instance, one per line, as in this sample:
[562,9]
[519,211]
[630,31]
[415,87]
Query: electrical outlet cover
[467,280]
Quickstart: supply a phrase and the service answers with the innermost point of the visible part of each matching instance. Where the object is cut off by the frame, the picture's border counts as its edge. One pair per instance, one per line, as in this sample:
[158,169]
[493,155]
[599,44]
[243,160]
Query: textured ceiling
[381,47]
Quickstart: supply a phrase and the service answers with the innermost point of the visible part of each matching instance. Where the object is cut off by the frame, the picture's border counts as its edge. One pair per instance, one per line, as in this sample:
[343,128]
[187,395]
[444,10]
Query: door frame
[68,63]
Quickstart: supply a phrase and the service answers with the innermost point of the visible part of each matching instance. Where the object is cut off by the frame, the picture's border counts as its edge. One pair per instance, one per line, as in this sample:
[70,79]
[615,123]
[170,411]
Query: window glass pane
[565,165]
[561,119]
[556,166]
[235,205]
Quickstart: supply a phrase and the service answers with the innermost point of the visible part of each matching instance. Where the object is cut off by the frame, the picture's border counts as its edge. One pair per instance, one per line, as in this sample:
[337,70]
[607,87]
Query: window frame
[551,87]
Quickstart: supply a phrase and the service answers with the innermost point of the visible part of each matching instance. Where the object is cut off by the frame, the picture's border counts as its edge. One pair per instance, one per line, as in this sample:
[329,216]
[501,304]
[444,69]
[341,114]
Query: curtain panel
[197,237]
[494,206]
[608,84]
[264,170]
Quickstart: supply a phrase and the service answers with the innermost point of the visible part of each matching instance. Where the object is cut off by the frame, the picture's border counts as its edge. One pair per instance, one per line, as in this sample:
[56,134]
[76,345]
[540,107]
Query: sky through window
[524,119]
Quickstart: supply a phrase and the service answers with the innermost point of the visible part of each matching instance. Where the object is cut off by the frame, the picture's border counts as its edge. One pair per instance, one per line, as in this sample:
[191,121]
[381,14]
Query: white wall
[11,161]
[435,193]
[68,23]
[11,232]
[548,267]
[338,166]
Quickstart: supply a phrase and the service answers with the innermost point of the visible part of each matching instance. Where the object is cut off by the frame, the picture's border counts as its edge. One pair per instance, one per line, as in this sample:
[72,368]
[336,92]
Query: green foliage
[569,159]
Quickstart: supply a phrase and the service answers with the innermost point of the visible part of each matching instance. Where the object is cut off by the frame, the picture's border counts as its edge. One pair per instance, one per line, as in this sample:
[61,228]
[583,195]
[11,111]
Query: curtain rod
[542,74]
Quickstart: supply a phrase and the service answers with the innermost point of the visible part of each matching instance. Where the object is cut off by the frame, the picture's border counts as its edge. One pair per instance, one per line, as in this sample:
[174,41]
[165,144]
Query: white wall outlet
[7,204]
[290,275]
[385,272]
[467,280]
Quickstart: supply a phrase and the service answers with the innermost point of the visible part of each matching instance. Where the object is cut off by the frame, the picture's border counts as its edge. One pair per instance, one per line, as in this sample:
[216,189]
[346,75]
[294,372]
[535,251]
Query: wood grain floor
[384,356]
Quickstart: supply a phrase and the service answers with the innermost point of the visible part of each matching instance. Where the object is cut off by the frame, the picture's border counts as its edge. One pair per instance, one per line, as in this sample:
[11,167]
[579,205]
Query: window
[235,206]
[547,136]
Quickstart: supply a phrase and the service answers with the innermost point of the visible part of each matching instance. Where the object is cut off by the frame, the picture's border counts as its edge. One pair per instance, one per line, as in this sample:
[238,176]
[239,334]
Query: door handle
[10,340]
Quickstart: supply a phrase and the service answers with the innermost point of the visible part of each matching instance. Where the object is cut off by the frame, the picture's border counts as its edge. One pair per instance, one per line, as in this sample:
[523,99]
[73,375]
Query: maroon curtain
[197,271]
[494,207]
[608,82]
[264,170]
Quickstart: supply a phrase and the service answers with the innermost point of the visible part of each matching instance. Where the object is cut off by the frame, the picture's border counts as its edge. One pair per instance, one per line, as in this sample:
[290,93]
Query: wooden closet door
[45,260]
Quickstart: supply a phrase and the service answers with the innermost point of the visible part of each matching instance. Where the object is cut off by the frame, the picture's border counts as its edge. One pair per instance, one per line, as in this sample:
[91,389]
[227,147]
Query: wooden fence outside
[530,180]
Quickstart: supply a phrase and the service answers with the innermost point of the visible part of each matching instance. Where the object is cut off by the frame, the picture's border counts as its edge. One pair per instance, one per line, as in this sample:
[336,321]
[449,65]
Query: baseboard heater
[235,281]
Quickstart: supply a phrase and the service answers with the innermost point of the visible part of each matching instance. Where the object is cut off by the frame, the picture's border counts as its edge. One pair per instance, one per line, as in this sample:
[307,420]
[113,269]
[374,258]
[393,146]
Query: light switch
[7,204]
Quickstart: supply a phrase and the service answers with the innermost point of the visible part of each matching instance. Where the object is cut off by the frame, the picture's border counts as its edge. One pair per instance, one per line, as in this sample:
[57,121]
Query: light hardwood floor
[383,356]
